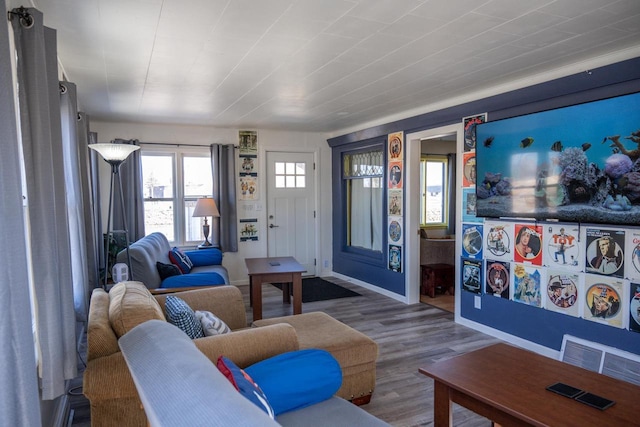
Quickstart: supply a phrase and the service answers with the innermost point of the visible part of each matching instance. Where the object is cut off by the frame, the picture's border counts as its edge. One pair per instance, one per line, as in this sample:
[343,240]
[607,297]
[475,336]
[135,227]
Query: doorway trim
[412,209]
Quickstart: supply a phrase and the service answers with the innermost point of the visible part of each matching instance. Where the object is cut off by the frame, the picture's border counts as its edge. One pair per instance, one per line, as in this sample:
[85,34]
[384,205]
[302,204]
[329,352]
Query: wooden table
[283,270]
[507,385]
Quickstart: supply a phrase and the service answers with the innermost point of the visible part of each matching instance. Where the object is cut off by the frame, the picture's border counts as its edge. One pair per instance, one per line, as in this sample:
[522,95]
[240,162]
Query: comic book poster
[395,258]
[632,255]
[634,308]
[395,202]
[497,278]
[498,240]
[603,300]
[561,293]
[248,188]
[395,146]
[248,142]
[527,244]
[605,251]
[562,247]
[527,282]
[249,230]
[469,205]
[470,124]
[469,169]
[395,175]
[395,230]
[471,275]
[472,241]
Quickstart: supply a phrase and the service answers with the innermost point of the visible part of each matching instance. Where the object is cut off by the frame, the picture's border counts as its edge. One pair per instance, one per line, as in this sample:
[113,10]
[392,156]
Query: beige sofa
[108,384]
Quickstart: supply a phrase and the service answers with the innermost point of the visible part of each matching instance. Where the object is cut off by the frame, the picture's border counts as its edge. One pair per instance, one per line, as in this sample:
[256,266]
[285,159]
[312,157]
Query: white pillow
[211,324]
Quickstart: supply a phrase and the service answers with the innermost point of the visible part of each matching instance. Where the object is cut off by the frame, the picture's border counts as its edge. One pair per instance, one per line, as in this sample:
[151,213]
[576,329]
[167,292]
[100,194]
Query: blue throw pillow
[180,314]
[178,258]
[297,379]
[244,384]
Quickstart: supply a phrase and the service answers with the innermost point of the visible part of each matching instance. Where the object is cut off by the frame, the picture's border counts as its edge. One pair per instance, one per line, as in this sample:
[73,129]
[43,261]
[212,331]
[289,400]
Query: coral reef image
[578,163]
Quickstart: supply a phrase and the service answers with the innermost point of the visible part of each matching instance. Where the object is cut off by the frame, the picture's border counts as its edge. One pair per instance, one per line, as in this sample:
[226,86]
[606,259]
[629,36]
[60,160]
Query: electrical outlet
[477,302]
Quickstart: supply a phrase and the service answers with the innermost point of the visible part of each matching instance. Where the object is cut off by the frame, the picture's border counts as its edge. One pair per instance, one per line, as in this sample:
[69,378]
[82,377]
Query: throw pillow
[244,384]
[297,379]
[180,314]
[178,258]
[131,303]
[167,270]
[212,324]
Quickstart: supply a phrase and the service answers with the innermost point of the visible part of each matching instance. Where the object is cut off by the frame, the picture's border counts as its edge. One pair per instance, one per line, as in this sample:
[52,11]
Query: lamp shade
[114,152]
[206,207]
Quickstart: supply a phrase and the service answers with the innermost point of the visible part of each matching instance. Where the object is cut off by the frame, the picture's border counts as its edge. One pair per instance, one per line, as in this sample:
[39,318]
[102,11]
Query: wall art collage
[395,184]
[248,180]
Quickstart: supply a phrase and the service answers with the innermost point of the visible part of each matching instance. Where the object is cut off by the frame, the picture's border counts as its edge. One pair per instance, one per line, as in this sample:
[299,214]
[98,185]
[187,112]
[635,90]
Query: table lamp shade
[206,207]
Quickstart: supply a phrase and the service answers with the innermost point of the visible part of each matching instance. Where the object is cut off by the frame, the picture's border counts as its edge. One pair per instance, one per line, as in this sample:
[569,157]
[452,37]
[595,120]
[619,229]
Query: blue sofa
[145,253]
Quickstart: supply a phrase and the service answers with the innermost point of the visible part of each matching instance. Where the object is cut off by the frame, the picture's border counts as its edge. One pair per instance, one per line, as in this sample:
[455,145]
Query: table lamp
[206,207]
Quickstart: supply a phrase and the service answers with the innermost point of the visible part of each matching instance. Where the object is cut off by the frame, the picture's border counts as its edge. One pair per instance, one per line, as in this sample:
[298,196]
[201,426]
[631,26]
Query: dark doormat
[317,289]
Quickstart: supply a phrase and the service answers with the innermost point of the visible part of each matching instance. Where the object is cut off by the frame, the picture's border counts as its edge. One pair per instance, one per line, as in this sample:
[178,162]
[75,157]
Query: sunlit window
[290,175]
[434,192]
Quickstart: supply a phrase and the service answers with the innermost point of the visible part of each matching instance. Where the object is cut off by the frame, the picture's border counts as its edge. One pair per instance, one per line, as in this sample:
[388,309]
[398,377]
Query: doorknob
[273,226]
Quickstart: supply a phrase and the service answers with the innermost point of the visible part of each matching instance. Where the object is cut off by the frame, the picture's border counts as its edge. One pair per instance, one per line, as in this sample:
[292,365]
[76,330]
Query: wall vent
[601,358]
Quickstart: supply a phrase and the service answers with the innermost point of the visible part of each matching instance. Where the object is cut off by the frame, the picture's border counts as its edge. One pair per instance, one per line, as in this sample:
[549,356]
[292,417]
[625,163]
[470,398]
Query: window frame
[439,158]
[179,200]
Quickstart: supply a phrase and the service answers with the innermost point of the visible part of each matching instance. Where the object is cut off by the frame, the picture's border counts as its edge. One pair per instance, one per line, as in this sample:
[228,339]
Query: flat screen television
[578,163]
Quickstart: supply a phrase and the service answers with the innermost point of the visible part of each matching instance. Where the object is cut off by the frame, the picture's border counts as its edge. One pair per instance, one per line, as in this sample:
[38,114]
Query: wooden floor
[442,301]
[408,336]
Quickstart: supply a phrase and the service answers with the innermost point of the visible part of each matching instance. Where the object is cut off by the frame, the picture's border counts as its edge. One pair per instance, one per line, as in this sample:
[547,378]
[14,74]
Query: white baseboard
[371,287]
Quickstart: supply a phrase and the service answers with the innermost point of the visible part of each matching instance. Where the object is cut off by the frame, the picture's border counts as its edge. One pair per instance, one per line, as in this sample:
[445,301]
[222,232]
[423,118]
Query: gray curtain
[39,100]
[96,212]
[223,168]
[19,405]
[132,190]
[451,185]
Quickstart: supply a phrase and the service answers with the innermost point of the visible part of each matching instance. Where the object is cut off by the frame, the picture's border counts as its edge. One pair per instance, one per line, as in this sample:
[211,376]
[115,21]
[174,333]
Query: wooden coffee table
[508,385]
[283,270]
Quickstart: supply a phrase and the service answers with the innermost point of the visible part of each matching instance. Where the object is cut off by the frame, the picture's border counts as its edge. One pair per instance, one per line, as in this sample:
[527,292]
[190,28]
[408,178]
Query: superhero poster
[498,240]
[603,299]
[527,282]
[527,244]
[471,275]
[561,293]
[497,278]
[562,247]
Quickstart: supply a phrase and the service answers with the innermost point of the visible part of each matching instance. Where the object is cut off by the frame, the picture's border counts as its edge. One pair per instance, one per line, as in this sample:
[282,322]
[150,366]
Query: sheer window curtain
[19,392]
[39,105]
[223,168]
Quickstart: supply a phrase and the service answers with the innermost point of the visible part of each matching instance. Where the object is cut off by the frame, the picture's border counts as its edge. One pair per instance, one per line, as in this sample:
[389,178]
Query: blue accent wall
[533,324]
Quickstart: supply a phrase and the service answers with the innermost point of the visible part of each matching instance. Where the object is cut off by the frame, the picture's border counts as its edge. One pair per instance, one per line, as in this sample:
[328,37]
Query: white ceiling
[321,65]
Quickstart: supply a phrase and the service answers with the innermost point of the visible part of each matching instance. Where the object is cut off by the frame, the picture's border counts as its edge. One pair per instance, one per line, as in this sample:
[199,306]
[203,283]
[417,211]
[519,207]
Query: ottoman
[355,352]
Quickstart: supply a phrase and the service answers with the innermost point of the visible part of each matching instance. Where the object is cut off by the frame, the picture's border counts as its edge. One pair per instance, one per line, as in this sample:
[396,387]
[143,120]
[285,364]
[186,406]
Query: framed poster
[469,169]
[248,188]
[248,142]
[634,308]
[471,275]
[469,205]
[249,229]
[396,146]
[562,247]
[394,203]
[632,255]
[527,282]
[470,124]
[395,230]
[603,299]
[562,292]
[472,240]
[395,175]
[497,278]
[605,252]
[527,244]
[498,240]
[395,258]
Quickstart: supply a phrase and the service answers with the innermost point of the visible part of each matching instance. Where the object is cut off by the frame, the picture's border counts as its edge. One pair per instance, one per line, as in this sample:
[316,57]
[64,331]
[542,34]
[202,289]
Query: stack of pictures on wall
[472,241]
[472,275]
[634,308]
[498,240]
[248,181]
[528,244]
[527,284]
[562,292]
[605,251]
[562,247]
[632,255]
[497,278]
[395,185]
[603,300]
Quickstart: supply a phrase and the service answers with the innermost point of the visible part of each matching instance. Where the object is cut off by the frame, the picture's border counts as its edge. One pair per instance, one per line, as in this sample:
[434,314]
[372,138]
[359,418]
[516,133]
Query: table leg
[297,293]
[286,293]
[256,296]
[442,415]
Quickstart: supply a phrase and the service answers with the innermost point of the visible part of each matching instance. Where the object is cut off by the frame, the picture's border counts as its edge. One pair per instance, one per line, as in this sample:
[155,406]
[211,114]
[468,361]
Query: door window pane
[290,175]
[433,201]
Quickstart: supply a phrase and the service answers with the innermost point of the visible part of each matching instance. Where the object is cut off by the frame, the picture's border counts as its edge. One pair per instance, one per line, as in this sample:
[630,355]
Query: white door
[291,208]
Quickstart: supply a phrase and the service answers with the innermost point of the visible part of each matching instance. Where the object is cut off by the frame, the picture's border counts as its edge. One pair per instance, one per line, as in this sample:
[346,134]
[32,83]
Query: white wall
[268,140]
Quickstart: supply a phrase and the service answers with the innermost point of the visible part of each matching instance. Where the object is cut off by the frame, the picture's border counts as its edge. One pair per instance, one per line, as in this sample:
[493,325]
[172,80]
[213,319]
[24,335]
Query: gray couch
[179,385]
[155,248]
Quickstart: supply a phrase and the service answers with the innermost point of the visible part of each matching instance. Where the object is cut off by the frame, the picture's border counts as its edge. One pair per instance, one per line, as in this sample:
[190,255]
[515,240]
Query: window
[434,200]
[363,174]
[173,181]
[290,175]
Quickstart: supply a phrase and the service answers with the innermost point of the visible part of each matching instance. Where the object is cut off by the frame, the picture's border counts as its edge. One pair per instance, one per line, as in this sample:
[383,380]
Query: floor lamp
[206,207]
[115,155]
